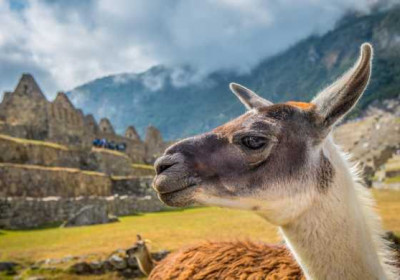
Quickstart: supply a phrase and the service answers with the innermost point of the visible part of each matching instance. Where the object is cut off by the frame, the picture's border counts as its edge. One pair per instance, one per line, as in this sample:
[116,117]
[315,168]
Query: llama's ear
[139,237]
[249,98]
[338,99]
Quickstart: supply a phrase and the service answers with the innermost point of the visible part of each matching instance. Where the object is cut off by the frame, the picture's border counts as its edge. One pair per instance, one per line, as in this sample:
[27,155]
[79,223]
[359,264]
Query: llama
[280,161]
[142,255]
[247,259]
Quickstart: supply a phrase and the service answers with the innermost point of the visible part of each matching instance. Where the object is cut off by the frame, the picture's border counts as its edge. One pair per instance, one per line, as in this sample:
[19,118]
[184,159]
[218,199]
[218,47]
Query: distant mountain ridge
[180,103]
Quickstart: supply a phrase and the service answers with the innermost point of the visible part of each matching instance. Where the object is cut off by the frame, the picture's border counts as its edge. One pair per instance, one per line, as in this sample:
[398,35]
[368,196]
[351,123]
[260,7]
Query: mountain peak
[180,104]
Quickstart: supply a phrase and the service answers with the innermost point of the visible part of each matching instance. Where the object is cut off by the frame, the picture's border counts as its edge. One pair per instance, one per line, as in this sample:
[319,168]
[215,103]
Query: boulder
[90,215]
[118,262]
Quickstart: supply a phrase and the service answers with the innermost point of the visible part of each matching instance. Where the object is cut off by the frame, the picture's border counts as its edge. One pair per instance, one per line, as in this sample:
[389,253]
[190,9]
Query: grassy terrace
[108,151]
[166,230]
[33,142]
[143,166]
[392,180]
[51,168]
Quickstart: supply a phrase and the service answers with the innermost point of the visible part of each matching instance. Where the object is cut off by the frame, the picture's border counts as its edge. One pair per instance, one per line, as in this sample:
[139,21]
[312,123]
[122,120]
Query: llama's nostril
[165,162]
[163,167]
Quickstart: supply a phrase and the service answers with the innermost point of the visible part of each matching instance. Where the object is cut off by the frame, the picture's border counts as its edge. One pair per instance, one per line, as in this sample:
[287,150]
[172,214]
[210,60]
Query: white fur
[340,236]
[334,233]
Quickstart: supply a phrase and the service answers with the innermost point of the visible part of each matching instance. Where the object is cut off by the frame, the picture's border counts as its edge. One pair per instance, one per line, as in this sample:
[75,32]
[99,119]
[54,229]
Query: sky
[67,43]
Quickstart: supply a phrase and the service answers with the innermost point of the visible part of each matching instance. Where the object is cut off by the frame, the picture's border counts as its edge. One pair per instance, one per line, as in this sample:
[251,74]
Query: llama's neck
[145,262]
[338,237]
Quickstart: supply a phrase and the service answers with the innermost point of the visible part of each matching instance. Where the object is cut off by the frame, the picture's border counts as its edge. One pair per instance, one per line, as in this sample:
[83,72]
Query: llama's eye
[254,142]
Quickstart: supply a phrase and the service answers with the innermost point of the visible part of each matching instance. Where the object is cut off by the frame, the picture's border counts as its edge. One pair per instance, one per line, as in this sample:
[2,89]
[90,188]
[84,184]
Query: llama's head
[138,249]
[269,159]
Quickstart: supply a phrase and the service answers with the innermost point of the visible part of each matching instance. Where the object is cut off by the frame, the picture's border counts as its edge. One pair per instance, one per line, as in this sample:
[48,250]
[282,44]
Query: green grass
[166,230]
[143,166]
[392,180]
[111,152]
[51,168]
[33,142]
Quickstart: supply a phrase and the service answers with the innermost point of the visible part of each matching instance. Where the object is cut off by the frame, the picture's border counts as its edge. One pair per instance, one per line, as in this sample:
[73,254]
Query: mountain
[180,103]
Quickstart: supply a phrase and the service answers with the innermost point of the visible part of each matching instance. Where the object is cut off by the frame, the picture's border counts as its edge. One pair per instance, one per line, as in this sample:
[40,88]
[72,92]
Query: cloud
[66,43]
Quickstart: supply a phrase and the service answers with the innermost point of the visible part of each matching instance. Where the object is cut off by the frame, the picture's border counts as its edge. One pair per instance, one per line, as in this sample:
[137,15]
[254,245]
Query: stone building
[50,171]
[26,113]
[106,127]
[153,142]
[131,133]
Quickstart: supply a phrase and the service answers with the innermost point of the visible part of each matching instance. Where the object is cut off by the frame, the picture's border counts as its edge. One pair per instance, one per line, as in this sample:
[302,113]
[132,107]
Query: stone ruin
[372,140]
[26,113]
[49,170]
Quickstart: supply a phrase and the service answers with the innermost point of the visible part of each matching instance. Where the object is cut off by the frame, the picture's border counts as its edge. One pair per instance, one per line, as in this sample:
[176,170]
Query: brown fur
[228,260]
[301,105]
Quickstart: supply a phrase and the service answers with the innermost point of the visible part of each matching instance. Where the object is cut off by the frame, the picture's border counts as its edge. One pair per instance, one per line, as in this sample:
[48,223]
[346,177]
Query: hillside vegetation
[180,104]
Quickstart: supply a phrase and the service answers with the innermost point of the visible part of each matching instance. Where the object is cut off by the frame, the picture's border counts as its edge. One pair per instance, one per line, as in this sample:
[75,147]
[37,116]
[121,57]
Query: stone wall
[139,186]
[21,151]
[29,207]
[49,169]
[33,152]
[66,124]
[17,213]
[112,162]
[37,181]
[26,113]
[21,180]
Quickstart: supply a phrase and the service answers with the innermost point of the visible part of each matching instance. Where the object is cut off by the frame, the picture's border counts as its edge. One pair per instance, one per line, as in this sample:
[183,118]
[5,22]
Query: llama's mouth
[179,198]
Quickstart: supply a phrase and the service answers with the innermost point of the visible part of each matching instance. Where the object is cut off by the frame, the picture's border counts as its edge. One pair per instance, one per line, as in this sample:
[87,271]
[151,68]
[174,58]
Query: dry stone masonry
[50,173]
[26,113]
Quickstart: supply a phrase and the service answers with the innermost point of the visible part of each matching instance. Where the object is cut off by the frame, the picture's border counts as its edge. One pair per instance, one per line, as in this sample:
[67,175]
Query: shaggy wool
[229,260]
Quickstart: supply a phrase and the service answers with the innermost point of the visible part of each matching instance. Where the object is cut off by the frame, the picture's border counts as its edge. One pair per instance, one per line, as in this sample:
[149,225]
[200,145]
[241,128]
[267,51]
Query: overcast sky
[67,43]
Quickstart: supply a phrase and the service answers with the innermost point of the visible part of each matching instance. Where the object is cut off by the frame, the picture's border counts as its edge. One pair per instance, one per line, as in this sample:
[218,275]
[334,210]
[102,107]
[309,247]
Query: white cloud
[66,43]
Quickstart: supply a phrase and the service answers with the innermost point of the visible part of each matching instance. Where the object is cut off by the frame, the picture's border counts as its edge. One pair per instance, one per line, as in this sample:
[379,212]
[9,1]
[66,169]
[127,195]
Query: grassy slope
[51,168]
[166,230]
[33,142]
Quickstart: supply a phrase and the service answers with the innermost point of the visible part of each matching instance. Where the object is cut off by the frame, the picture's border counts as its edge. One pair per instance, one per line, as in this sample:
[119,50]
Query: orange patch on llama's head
[301,105]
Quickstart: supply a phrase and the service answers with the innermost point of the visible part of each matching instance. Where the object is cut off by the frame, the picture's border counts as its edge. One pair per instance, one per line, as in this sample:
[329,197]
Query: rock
[81,268]
[158,256]
[118,262]
[112,219]
[130,273]
[108,266]
[89,215]
[96,265]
